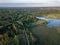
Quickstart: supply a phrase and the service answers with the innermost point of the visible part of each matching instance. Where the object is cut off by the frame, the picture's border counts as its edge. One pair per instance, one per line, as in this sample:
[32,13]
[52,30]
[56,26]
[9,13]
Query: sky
[32,2]
[27,1]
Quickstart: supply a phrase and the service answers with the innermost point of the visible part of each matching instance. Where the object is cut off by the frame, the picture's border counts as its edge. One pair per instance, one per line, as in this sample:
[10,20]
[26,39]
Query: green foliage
[16,27]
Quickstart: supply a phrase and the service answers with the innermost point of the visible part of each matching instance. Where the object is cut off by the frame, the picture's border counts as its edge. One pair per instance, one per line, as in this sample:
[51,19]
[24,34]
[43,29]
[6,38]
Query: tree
[26,23]
[23,23]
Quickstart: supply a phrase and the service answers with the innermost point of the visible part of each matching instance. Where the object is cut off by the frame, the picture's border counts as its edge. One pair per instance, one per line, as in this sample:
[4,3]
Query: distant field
[53,16]
[53,13]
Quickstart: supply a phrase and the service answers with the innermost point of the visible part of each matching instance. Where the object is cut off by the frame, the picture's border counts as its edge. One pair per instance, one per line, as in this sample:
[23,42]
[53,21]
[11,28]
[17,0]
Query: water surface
[51,22]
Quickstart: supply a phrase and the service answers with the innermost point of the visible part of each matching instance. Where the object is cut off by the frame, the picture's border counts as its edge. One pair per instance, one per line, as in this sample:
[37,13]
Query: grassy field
[54,16]
[47,36]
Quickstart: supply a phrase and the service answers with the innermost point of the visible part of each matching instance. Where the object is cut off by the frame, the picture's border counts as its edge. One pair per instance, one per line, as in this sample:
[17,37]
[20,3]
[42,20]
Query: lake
[51,22]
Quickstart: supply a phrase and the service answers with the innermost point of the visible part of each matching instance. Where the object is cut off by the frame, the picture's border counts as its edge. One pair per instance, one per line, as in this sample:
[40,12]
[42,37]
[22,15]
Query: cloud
[28,3]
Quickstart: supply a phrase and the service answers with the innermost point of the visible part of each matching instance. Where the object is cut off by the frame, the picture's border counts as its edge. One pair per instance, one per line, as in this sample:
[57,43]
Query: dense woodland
[20,27]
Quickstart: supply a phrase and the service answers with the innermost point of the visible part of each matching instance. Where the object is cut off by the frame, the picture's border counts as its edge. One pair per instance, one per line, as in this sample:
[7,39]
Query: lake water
[51,22]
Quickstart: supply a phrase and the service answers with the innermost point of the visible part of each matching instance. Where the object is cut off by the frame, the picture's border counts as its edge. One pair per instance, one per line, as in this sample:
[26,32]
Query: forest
[21,27]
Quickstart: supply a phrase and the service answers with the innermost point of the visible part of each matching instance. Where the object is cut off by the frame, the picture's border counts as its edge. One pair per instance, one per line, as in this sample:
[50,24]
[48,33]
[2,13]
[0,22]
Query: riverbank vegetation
[20,27]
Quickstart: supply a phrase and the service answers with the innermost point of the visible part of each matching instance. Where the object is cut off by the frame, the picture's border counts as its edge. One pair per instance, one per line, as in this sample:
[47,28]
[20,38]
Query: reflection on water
[55,23]
[51,22]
